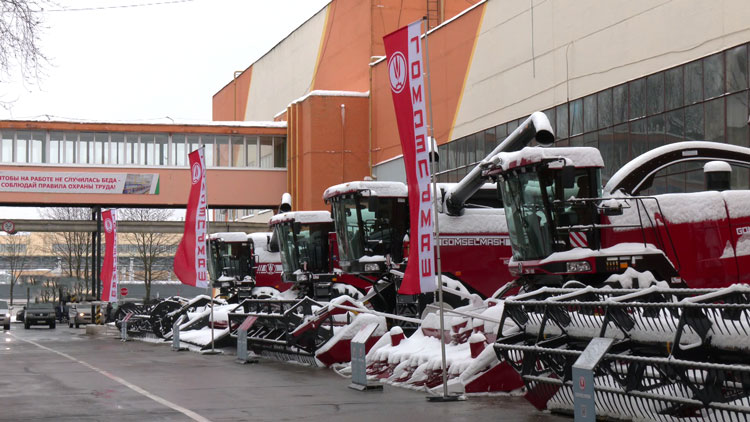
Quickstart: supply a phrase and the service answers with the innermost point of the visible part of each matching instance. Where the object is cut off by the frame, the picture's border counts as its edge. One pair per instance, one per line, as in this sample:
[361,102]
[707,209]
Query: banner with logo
[109,266]
[404,51]
[59,182]
[191,259]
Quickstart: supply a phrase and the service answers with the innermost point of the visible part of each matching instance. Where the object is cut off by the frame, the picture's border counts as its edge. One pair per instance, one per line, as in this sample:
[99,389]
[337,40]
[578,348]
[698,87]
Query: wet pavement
[66,375]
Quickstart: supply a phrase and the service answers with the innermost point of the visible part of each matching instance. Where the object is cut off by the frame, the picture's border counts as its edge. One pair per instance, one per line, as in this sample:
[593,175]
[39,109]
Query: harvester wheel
[161,320]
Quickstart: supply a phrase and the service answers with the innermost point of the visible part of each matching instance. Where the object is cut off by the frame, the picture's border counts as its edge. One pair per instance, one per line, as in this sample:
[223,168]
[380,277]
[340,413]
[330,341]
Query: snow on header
[230,236]
[304,217]
[382,189]
[573,156]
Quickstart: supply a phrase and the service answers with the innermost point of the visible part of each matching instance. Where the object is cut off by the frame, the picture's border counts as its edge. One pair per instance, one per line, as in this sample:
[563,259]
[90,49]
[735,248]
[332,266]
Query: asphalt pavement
[66,375]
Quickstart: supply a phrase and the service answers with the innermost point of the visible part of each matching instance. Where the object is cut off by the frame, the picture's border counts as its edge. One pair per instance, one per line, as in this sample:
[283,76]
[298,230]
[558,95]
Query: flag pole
[433,151]
[208,219]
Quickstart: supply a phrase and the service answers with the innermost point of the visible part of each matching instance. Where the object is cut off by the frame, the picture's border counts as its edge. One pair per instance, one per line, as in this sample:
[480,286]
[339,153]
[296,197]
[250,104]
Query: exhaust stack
[536,127]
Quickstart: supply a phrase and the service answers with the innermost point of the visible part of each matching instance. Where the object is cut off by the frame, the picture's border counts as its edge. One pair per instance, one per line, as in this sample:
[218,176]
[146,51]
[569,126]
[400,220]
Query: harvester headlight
[81,314]
[7,314]
[371,268]
[302,277]
[578,266]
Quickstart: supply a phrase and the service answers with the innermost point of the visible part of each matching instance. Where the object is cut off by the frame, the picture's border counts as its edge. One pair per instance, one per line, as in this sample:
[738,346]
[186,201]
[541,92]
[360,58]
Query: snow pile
[349,331]
[416,362]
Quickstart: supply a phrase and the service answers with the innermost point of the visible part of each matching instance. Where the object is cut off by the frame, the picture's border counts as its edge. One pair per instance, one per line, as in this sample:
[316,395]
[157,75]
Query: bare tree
[17,251]
[149,246]
[73,248]
[20,31]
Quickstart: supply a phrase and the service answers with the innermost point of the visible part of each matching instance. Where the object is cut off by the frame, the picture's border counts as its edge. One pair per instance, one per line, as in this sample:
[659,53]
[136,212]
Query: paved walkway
[65,375]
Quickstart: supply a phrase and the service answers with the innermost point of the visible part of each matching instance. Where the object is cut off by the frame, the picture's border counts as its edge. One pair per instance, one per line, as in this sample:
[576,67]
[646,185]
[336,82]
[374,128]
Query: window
[694,123]
[222,151]
[655,94]
[36,148]
[252,151]
[736,60]
[70,147]
[713,75]
[576,117]
[56,148]
[117,148]
[714,118]
[737,112]
[675,126]
[620,104]
[266,152]
[161,150]
[471,149]
[604,103]
[656,129]
[22,146]
[6,152]
[147,152]
[279,152]
[693,82]
[561,124]
[238,151]
[131,148]
[673,87]
[637,93]
[589,113]
[208,142]
[179,153]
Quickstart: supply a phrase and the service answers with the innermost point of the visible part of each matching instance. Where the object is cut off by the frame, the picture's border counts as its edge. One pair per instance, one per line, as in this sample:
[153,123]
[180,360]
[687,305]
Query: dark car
[39,314]
[5,315]
[19,314]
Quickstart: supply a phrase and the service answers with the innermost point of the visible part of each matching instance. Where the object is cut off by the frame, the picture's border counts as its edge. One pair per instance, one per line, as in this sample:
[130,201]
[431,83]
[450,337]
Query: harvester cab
[232,263]
[371,222]
[557,219]
[306,242]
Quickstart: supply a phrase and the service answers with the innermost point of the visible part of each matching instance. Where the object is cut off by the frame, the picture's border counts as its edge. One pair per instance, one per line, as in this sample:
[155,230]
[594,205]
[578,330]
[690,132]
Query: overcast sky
[148,59]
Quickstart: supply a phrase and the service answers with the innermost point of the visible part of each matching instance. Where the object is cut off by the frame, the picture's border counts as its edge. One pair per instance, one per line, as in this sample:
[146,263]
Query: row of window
[144,149]
[706,99]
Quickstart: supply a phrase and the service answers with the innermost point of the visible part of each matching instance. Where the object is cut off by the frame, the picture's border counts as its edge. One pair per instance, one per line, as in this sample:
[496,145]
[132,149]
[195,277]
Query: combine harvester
[648,272]
[371,224]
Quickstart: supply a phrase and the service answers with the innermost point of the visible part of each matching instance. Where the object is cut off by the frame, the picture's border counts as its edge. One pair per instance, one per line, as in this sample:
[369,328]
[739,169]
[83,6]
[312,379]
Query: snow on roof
[717,166]
[738,202]
[324,93]
[381,189]
[230,236]
[573,156]
[474,220]
[165,121]
[304,217]
[678,208]
[647,156]
[260,241]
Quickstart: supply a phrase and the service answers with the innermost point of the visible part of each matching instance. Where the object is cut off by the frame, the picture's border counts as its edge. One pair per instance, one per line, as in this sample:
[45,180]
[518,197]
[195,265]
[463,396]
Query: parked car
[19,314]
[79,313]
[5,315]
[39,314]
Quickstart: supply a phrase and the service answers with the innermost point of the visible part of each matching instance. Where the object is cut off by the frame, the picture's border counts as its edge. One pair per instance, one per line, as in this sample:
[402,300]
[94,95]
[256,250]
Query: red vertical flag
[191,259]
[109,266]
[404,51]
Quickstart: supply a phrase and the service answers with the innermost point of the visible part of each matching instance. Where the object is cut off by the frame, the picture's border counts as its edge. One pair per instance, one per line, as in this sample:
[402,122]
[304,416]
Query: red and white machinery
[607,265]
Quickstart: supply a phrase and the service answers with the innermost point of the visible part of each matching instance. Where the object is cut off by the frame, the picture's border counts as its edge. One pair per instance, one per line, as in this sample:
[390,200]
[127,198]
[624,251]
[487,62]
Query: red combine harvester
[245,265]
[596,265]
